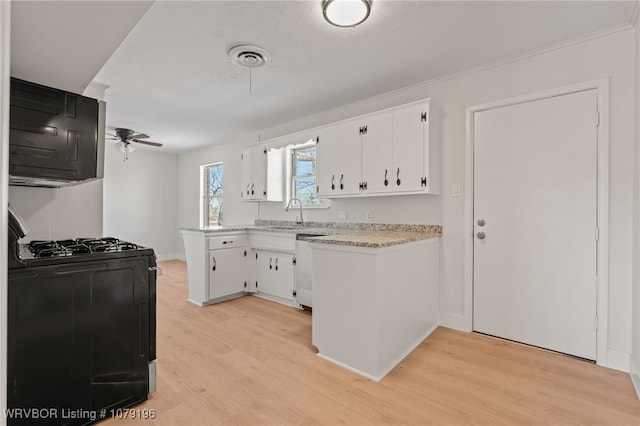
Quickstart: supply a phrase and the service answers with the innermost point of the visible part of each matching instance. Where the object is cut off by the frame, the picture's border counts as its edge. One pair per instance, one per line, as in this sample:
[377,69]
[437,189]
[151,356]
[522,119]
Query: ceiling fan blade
[114,138]
[140,136]
[146,142]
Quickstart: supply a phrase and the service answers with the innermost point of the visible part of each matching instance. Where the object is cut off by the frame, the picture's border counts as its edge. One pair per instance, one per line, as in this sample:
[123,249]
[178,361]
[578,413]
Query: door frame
[602,214]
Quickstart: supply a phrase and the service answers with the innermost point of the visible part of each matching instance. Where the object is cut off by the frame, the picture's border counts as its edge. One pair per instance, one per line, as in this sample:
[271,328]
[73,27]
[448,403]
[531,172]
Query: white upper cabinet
[416,163]
[261,174]
[339,160]
[376,154]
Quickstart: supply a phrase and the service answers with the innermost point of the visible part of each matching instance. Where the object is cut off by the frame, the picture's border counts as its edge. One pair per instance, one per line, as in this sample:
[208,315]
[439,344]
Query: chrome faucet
[298,221]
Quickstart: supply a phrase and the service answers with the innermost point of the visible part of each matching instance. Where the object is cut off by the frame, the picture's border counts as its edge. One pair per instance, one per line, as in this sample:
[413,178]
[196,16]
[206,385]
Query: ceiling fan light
[346,13]
[124,147]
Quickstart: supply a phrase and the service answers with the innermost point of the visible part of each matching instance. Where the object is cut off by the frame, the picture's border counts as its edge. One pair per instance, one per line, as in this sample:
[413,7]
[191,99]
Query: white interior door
[535,199]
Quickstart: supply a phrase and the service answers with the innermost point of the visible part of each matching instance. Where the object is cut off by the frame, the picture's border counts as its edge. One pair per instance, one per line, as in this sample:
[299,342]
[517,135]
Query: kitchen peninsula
[374,285]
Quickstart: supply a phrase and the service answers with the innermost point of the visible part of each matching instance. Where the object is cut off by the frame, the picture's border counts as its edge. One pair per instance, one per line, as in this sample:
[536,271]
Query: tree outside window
[303,176]
[212,186]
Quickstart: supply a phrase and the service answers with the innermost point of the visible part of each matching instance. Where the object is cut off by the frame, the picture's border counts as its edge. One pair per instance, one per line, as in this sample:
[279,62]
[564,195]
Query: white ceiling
[172,79]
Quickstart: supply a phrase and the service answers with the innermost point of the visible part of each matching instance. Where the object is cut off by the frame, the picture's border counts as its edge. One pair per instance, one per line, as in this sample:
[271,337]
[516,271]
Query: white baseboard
[618,360]
[455,321]
[171,256]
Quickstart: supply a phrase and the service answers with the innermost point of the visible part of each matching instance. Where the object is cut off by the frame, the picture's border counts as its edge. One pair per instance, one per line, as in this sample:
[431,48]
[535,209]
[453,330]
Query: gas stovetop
[59,252]
[79,246]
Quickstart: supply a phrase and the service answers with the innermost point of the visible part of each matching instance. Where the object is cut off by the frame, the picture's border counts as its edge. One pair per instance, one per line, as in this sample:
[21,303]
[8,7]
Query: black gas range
[81,327]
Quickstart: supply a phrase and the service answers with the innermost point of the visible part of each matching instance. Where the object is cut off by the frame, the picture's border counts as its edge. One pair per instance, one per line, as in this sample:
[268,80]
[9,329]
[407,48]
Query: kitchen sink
[304,235]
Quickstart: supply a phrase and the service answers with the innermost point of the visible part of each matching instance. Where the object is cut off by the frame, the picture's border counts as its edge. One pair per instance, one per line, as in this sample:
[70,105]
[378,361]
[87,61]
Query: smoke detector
[248,56]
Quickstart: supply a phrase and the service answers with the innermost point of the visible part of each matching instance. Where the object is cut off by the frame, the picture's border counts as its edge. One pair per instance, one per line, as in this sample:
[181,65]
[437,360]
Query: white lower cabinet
[224,265]
[227,272]
[274,275]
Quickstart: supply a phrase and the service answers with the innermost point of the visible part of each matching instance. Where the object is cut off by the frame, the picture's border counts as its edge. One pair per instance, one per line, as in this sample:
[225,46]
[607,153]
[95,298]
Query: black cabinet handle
[252,191]
[276,263]
[386,181]
[214,264]
[227,242]
[398,177]
[341,184]
[270,265]
[333,185]
[247,189]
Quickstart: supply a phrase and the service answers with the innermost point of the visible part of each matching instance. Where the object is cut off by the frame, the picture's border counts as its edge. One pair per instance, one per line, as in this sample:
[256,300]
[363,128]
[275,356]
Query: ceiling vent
[248,56]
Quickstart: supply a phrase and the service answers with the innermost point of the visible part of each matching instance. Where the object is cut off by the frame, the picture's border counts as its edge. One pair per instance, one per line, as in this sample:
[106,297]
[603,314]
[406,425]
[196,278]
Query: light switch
[456,190]
[369,216]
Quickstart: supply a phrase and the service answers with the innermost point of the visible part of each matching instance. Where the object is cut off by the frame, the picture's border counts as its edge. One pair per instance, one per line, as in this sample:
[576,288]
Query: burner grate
[79,246]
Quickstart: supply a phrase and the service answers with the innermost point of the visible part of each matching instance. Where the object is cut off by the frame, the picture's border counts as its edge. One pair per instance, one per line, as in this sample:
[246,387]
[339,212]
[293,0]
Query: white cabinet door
[339,161]
[253,173]
[409,131]
[416,157]
[227,270]
[377,151]
[327,153]
[258,173]
[245,174]
[274,274]
[350,158]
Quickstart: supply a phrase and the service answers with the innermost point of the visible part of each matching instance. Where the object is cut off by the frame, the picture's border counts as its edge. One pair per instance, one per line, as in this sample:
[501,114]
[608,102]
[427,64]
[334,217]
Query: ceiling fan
[128,136]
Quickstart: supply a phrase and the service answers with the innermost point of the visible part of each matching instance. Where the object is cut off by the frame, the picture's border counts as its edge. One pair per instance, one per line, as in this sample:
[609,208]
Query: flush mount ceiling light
[346,13]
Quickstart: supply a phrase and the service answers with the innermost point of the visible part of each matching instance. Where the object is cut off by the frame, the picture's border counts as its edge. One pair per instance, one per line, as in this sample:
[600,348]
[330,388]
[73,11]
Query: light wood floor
[250,362]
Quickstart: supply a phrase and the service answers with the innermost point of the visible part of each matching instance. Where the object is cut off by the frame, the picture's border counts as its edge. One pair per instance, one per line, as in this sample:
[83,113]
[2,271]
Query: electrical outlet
[369,216]
[342,215]
[456,190]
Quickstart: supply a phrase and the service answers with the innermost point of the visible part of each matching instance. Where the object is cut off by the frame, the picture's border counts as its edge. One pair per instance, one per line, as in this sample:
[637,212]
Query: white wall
[140,199]
[5,50]
[58,213]
[610,55]
[635,352]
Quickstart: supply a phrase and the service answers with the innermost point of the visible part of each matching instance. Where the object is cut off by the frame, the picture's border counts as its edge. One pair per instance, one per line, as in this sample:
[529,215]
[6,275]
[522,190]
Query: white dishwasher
[304,269]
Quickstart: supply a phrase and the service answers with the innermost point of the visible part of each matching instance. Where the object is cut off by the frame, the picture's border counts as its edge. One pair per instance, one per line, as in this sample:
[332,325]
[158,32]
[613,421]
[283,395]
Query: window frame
[292,177]
[206,197]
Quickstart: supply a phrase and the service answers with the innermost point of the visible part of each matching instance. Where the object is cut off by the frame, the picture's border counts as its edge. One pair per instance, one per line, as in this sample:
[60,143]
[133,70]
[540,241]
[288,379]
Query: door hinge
[365,130]
[317,188]
[256,255]
[256,284]
[264,151]
[293,261]
[245,284]
[245,253]
[317,140]
[242,156]
[295,293]
[264,192]
[364,185]
[423,181]
[423,116]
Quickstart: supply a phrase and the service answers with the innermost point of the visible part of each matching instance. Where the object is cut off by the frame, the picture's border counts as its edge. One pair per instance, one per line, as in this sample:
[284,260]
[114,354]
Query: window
[212,178]
[303,176]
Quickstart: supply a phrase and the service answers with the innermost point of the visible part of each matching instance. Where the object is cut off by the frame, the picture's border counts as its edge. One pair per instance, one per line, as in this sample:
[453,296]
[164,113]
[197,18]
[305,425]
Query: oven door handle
[157,269]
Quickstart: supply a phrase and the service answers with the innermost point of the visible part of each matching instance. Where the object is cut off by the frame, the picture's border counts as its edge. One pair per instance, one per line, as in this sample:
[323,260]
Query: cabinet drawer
[227,241]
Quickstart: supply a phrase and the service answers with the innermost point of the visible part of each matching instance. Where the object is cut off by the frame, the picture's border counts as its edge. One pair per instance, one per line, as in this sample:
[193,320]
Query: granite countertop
[374,239]
[350,234]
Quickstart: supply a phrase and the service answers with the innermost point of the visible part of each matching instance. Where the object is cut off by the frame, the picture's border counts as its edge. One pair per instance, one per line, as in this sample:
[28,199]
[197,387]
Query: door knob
[481,235]
[481,222]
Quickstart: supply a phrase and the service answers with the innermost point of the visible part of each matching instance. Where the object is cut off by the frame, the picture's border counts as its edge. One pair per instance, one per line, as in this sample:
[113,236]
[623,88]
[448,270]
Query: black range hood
[56,138]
